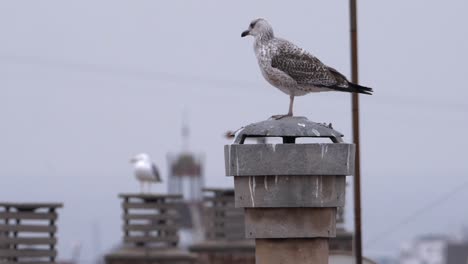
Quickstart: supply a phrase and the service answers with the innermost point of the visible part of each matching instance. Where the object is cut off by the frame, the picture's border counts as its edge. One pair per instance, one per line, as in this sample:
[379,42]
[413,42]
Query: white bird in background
[145,171]
[292,69]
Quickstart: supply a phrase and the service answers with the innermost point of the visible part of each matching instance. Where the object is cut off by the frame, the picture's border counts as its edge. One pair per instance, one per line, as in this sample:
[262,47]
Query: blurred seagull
[292,69]
[145,171]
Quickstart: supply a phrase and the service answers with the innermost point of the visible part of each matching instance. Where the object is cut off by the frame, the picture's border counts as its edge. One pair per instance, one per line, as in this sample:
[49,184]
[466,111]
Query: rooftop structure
[150,231]
[28,232]
[224,231]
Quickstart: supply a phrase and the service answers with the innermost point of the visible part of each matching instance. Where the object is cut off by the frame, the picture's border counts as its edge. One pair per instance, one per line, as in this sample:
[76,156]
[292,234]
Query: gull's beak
[245,33]
[132,160]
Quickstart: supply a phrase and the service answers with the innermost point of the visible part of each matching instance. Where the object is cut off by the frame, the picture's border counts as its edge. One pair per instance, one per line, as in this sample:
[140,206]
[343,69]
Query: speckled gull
[292,69]
[145,171]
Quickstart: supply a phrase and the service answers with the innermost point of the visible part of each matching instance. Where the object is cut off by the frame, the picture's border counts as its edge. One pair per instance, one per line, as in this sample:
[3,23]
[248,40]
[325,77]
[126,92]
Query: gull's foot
[278,117]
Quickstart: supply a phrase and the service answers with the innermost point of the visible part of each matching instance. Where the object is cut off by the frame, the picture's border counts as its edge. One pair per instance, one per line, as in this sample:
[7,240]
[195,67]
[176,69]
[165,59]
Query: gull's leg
[142,187]
[290,112]
[291,103]
[149,187]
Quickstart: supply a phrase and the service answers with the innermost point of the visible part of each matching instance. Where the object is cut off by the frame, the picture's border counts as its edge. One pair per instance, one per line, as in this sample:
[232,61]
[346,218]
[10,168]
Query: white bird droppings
[347,161]
[253,186]
[316,186]
[251,192]
[320,189]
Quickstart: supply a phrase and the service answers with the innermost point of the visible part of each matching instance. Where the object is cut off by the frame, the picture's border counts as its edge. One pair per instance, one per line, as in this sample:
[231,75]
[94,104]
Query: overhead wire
[417,213]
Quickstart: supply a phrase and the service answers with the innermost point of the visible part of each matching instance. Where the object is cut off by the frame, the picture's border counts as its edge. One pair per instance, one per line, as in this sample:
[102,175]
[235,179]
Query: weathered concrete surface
[290,222]
[291,251]
[290,191]
[294,126]
[289,159]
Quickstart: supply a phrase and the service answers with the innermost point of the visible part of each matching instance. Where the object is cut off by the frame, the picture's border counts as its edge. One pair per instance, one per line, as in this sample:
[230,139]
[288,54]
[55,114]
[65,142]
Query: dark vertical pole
[355,117]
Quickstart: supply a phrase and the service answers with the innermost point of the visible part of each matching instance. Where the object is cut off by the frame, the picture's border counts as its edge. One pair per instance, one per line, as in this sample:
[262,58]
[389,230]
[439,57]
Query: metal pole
[355,118]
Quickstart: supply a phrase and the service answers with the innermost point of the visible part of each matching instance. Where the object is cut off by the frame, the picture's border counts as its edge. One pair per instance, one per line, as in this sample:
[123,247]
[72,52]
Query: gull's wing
[304,68]
[155,171]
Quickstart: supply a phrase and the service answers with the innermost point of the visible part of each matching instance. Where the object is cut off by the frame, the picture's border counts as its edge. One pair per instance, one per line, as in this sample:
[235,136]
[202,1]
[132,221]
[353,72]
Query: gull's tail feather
[354,88]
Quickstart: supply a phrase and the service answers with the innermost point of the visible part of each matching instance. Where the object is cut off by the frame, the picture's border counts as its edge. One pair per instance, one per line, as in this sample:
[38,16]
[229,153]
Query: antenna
[185,131]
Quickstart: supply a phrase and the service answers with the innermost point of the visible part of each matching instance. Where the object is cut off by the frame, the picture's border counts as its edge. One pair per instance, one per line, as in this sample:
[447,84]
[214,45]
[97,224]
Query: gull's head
[140,157]
[257,28]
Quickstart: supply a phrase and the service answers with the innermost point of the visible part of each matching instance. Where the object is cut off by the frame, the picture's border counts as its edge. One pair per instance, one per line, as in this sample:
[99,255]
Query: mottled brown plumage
[292,69]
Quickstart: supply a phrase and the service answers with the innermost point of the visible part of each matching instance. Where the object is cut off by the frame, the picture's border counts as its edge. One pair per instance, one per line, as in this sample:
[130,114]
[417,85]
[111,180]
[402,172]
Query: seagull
[145,171]
[292,69]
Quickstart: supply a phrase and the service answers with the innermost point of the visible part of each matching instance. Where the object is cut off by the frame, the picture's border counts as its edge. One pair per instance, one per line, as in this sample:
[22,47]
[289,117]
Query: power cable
[443,198]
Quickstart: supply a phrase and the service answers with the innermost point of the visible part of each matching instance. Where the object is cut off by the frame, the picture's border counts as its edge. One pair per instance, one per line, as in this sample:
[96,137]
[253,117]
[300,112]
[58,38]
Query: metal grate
[27,232]
[151,220]
[222,220]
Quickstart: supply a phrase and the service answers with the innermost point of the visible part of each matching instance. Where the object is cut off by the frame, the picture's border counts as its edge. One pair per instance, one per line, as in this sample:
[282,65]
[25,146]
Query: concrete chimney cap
[287,127]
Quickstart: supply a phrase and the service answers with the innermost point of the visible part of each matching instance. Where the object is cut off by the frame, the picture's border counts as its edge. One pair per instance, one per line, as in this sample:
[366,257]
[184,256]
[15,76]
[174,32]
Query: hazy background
[84,85]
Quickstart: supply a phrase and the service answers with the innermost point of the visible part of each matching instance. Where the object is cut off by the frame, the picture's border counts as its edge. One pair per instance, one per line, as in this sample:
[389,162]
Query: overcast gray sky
[87,84]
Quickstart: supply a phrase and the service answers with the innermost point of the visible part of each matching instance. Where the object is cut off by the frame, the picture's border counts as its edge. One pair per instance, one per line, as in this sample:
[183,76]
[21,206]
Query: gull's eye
[252,25]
